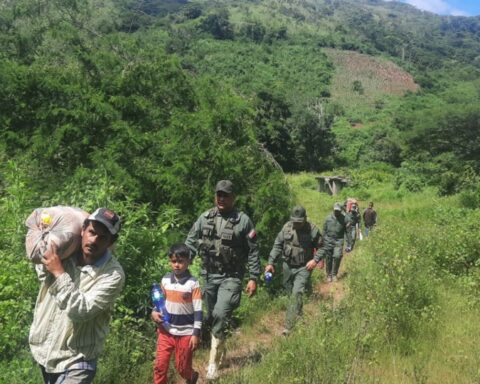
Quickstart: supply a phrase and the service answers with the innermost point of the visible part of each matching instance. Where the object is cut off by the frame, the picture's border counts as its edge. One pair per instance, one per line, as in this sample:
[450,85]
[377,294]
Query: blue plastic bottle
[268,277]
[158,300]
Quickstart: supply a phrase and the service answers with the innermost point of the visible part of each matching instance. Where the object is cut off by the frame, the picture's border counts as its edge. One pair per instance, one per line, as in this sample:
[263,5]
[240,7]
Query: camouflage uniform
[334,231]
[226,244]
[226,241]
[354,218]
[296,247]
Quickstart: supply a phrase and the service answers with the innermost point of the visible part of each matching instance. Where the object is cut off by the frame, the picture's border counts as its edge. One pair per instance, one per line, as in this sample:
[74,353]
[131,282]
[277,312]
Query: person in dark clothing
[369,218]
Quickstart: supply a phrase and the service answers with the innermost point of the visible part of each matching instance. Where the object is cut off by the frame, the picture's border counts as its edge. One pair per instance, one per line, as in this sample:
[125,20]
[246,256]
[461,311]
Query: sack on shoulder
[60,225]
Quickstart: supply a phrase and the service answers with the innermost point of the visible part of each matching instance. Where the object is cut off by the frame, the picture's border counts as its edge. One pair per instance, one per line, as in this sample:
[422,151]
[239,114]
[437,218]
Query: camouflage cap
[299,215]
[337,207]
[224,186]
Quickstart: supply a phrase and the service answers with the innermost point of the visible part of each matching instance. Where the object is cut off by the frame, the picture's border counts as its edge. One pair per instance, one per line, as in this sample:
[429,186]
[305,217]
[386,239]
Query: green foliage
[113,121]
[392,286]
[299,360]
[124,104]
[358,87]
[254,31]
[470,198]
[458,252]
[218,25]
[129,350]
[18,284]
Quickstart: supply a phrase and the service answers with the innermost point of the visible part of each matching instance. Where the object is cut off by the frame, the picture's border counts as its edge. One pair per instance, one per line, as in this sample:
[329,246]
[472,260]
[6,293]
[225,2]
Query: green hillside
[408,310]
[142,106]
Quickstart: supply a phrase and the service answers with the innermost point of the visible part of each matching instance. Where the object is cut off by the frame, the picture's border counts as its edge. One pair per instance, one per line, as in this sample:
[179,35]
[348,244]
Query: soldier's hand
[251,288]
[311,264]
[270,268]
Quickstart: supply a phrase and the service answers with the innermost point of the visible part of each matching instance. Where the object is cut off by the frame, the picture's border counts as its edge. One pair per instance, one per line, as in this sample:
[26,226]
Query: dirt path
[248,346]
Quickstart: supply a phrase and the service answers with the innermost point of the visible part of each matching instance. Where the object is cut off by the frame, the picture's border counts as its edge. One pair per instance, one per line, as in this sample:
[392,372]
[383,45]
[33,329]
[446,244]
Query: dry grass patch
[377,76]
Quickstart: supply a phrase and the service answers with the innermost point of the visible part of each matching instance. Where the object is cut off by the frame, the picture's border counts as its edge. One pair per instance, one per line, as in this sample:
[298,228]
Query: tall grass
[410,312]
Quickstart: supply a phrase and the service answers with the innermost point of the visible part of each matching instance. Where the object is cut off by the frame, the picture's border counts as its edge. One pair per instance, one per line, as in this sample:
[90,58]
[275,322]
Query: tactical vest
[297,245]
[221,249]
[334,231]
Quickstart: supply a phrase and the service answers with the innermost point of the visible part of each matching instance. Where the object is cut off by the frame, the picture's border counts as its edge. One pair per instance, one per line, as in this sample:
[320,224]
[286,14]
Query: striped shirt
[72,313]
[183,303]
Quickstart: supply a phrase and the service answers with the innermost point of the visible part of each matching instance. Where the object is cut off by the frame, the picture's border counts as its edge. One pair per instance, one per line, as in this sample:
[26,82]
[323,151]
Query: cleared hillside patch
[361,80]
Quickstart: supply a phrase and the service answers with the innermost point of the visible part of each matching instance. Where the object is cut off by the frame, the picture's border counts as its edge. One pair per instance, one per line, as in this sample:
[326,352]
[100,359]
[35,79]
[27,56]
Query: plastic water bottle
[268,277]
[158,300]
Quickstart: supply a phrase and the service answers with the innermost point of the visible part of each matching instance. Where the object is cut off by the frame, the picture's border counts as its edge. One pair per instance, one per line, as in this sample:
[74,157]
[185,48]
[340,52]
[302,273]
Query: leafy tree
[218,25]
[254,31]
[313,139]
[272,128]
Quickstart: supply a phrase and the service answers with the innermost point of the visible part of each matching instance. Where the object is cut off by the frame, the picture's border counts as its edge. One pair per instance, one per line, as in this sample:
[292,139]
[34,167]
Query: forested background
[142,106]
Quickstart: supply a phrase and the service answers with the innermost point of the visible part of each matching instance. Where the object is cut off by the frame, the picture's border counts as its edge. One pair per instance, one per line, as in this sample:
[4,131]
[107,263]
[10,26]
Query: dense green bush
[393,286]
[128,128]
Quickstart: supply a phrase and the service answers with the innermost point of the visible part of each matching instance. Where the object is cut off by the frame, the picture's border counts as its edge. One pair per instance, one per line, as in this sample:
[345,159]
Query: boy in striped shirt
[182,332]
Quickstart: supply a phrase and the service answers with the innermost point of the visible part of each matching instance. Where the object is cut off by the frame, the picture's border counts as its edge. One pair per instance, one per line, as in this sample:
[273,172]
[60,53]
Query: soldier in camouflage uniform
[354,219]
[336,227]
[226,241]
[296,244]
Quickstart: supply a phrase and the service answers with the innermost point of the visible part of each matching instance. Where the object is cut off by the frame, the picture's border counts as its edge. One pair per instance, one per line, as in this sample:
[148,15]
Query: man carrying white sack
[75,302]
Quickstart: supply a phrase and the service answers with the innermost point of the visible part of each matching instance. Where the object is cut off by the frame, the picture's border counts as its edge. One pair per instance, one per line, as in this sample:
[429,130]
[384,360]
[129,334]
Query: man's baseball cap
[299,215]
[108,218]
[224,186]
[337,207]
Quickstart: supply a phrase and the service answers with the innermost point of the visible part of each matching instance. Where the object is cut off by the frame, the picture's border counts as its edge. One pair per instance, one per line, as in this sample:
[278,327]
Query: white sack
[59,225]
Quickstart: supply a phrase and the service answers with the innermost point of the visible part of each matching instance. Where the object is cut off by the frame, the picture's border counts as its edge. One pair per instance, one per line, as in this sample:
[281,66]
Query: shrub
[392,284]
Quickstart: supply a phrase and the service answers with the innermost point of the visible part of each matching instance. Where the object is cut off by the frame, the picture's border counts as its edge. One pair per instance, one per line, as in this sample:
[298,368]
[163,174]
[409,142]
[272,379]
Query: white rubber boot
[217,352]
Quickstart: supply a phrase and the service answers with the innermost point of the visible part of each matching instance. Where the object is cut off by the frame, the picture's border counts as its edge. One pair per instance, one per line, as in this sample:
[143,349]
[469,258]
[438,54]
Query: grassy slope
[446,352]
[452,357]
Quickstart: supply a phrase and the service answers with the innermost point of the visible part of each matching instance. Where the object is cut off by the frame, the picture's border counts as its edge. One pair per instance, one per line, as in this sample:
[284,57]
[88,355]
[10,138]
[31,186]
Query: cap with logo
[299,215]
[108,218]
[224,186]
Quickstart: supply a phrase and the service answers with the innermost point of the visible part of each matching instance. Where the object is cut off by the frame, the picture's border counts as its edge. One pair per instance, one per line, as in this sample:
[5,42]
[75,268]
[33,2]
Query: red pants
[166,343]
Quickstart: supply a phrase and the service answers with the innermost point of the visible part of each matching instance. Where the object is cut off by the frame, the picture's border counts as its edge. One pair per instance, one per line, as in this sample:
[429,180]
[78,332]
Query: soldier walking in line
[226,241]
[336,227]
[354,219]
[295,243]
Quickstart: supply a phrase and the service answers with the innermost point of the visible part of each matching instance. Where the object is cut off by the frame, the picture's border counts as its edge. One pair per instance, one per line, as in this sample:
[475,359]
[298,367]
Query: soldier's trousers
[333,258]
[295,281]
[221,296]
[353,232]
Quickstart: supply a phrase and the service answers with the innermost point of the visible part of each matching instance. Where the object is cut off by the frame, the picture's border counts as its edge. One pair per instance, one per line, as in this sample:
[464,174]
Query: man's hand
[193,343]
[311,264]
[52,261]
[251,288]
[270,268]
